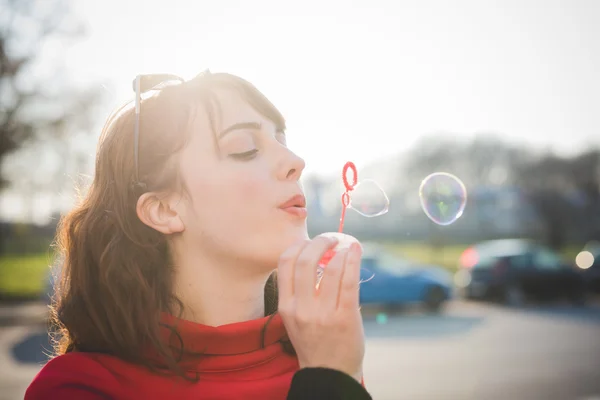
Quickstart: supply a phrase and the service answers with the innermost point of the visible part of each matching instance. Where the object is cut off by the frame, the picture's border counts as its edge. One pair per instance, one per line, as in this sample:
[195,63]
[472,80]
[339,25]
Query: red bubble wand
[345,203]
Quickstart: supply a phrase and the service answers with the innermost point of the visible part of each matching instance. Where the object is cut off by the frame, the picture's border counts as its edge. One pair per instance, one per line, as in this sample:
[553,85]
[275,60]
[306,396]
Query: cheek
[232,197]
[251,189]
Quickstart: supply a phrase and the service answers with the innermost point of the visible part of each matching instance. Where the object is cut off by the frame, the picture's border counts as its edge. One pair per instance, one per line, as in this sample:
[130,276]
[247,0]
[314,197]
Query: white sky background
[358,80]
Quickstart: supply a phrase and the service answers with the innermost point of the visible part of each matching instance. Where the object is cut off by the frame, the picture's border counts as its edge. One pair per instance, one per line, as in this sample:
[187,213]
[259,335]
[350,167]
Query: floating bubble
[344,242]
[369,199]
[443,197]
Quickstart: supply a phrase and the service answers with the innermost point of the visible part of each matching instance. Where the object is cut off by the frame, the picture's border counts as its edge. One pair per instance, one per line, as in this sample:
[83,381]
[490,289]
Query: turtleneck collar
[229,339]
[227,347]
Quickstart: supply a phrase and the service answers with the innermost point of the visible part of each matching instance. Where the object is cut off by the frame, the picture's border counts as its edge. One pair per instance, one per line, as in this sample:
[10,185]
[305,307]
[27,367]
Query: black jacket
[325,384]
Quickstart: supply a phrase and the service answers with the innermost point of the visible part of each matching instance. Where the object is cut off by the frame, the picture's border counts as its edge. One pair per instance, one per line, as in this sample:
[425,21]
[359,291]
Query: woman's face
[236,184]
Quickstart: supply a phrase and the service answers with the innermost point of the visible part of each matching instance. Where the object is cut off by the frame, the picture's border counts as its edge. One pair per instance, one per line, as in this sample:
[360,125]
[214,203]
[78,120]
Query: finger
[329,288]
[348,298]
[285,271]
[306,267]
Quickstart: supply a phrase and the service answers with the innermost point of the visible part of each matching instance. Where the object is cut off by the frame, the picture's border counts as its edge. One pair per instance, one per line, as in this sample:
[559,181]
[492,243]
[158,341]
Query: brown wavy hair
[116,273]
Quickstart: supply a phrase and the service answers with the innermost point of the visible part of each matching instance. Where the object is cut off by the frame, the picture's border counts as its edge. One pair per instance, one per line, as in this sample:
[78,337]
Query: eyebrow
[240,125]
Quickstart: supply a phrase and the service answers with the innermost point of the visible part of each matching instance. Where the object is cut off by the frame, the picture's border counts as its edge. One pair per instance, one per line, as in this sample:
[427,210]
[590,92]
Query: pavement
[470,351]
[481,351]
[26,313]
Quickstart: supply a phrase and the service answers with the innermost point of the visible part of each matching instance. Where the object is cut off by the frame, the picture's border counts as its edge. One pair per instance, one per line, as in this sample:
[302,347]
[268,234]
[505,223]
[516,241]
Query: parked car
[514,270]
[392,281]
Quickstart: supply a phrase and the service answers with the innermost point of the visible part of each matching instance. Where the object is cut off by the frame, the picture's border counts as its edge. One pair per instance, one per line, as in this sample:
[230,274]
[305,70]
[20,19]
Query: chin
[295,236]
[280,243]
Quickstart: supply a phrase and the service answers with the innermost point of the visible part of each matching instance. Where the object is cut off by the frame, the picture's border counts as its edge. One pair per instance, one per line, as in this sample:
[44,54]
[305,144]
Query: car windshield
[547,259]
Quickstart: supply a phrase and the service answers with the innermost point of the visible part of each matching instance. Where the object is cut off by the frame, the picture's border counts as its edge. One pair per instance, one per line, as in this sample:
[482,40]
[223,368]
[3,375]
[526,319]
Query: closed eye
[247,155]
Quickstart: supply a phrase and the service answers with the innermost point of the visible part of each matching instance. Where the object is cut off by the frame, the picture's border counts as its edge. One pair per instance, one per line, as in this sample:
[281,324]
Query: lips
[295,206]
[295,201]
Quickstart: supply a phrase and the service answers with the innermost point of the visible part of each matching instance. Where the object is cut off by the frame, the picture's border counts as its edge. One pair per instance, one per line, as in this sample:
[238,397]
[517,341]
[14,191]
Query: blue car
[393,281]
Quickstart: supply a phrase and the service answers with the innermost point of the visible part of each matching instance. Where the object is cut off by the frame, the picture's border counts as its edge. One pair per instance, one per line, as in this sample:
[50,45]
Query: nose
[290,166]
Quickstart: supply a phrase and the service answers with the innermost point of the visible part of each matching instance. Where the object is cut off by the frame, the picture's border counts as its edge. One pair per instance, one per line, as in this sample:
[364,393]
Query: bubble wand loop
[349,187]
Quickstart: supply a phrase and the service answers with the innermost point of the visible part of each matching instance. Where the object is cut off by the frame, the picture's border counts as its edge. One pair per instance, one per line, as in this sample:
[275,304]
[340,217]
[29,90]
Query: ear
[158,211]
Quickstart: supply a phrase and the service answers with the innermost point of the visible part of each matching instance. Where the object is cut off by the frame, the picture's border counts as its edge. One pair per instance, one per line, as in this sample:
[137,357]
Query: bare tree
[36,100]
[565,192]
[485,160]
[40,107]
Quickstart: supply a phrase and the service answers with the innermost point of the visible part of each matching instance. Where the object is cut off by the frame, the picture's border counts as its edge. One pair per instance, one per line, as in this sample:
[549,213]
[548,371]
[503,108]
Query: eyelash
[247,155]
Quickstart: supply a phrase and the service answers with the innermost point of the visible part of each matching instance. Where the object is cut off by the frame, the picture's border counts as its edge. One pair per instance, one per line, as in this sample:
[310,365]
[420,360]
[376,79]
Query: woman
[168,287]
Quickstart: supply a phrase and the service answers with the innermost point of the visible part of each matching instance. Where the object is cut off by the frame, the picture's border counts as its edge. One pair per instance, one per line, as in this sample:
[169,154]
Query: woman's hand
[324,324]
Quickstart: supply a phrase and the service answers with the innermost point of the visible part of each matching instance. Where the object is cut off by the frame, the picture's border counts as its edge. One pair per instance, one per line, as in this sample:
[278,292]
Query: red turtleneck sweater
[234,365]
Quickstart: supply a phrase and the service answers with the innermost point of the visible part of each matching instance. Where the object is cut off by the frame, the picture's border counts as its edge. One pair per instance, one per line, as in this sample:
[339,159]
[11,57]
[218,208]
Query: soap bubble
[443,197]
[369,199]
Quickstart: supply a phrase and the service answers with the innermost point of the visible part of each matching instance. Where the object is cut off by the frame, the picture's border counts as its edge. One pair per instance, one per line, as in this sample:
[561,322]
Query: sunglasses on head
[143,84]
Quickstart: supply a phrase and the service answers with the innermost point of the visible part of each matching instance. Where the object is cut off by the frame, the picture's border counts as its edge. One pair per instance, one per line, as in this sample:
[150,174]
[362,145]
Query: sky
[362,80]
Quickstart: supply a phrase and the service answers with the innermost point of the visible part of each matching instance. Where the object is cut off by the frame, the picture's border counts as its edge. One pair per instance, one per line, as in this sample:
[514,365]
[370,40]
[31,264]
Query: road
[471,351]
[477,351]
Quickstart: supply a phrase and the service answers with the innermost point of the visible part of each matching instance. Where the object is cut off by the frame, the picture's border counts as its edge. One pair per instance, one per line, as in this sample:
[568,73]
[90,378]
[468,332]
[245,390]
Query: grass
[23,276]
[446,256]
